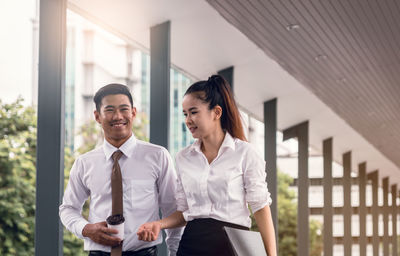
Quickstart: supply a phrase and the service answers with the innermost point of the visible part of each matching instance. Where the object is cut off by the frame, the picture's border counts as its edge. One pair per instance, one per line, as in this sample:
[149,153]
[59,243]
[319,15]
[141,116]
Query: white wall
[16,49]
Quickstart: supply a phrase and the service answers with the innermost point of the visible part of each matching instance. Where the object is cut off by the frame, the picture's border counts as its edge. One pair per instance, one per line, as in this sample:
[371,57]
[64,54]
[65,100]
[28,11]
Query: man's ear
[133,112]
[217,111]
[97,116]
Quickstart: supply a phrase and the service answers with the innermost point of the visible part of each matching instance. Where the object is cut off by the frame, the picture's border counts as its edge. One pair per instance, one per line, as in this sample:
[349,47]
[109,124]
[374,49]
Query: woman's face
[199,119]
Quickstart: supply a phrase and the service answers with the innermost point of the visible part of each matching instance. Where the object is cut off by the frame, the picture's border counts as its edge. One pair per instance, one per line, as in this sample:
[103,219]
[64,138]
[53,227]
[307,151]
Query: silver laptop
[245,243]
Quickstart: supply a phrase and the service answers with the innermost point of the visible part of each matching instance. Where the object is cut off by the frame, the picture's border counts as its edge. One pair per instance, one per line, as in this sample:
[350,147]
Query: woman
[219,175]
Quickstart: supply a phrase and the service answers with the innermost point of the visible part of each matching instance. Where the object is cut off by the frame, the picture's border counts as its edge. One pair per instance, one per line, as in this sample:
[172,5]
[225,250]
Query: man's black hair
[111,89]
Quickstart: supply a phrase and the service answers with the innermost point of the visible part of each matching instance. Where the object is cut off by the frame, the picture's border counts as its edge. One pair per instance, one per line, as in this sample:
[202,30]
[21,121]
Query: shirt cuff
[258,206]
[181,208]
[79,228]
[185,216]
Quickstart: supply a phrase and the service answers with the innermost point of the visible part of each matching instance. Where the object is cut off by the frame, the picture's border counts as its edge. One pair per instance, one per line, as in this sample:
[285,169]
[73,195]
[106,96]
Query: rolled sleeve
[257,194]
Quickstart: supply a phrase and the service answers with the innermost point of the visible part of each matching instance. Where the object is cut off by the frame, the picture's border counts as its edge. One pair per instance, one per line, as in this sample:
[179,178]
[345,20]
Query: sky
[16,49]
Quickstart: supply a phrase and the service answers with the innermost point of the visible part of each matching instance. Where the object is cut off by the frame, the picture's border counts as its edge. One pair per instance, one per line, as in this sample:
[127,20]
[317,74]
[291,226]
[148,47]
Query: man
[148,182]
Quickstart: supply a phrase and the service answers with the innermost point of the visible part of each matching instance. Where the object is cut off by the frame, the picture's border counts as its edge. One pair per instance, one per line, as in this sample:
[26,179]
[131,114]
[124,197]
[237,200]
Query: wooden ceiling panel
[346,52]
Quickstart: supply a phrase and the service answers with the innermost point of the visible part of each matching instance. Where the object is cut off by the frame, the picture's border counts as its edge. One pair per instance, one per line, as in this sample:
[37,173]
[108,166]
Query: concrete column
[373,176]
[385,212]
[328,208]
[347,211]
[270,127]
[362,179]
[300,131]
[160,84]
[394,220]
[227,73]
[160,56]
[50,132]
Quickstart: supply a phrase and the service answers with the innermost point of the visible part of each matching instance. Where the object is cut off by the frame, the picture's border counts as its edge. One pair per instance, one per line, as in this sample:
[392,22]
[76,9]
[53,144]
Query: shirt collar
[228,142]
[196,146]
[126,148]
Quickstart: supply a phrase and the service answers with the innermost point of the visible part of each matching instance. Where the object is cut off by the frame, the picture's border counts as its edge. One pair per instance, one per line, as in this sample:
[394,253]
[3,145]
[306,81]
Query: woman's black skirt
[206,237]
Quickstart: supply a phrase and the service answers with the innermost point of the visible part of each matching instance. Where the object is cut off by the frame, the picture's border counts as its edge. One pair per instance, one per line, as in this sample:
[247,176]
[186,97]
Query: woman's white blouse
[223,189]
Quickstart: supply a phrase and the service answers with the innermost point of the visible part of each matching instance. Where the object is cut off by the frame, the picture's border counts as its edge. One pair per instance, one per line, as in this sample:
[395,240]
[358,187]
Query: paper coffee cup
[117,222]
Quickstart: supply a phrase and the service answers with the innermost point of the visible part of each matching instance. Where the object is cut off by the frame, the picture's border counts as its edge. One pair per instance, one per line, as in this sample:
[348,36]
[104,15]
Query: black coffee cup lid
[115,219]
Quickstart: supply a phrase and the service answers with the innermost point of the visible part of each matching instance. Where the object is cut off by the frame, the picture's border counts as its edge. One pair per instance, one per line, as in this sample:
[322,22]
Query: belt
[214,224]
[151,251]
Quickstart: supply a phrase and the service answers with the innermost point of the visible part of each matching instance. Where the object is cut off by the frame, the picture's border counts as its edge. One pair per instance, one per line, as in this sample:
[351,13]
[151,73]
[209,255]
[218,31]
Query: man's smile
[118,124]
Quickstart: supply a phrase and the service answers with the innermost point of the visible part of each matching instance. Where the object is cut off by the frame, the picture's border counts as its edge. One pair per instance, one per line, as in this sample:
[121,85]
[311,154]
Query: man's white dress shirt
[149,183]
[222,189]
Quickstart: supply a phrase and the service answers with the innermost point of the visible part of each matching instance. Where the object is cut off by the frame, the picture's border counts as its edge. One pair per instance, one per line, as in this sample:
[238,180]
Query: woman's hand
[149,231]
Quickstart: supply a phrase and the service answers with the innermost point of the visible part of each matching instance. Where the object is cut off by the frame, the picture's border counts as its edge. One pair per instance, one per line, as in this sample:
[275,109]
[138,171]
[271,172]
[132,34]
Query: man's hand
[149,231]
[100,233]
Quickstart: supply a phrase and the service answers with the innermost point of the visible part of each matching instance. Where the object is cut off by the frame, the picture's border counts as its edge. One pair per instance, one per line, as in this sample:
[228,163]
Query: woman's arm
[266,227]
[149,231]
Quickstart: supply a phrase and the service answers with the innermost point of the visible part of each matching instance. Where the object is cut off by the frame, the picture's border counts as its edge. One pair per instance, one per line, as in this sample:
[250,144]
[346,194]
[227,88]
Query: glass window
[180,137]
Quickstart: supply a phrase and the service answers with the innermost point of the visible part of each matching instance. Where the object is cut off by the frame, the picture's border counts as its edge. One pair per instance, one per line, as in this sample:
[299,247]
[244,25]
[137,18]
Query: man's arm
[75,196]
[70,211]
[166,199]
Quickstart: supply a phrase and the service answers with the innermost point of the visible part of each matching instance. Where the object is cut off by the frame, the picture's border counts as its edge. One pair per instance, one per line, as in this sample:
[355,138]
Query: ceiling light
[292,27]
[321,57]
[341,80]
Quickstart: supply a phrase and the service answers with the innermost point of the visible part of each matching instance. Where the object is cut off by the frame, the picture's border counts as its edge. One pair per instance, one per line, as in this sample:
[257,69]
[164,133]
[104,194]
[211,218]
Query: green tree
[287,216]
[17,178]
[316,245]
[287,221]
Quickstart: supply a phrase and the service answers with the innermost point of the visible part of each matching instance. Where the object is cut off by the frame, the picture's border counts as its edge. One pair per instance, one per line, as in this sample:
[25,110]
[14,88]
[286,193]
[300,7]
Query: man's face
[116,116]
